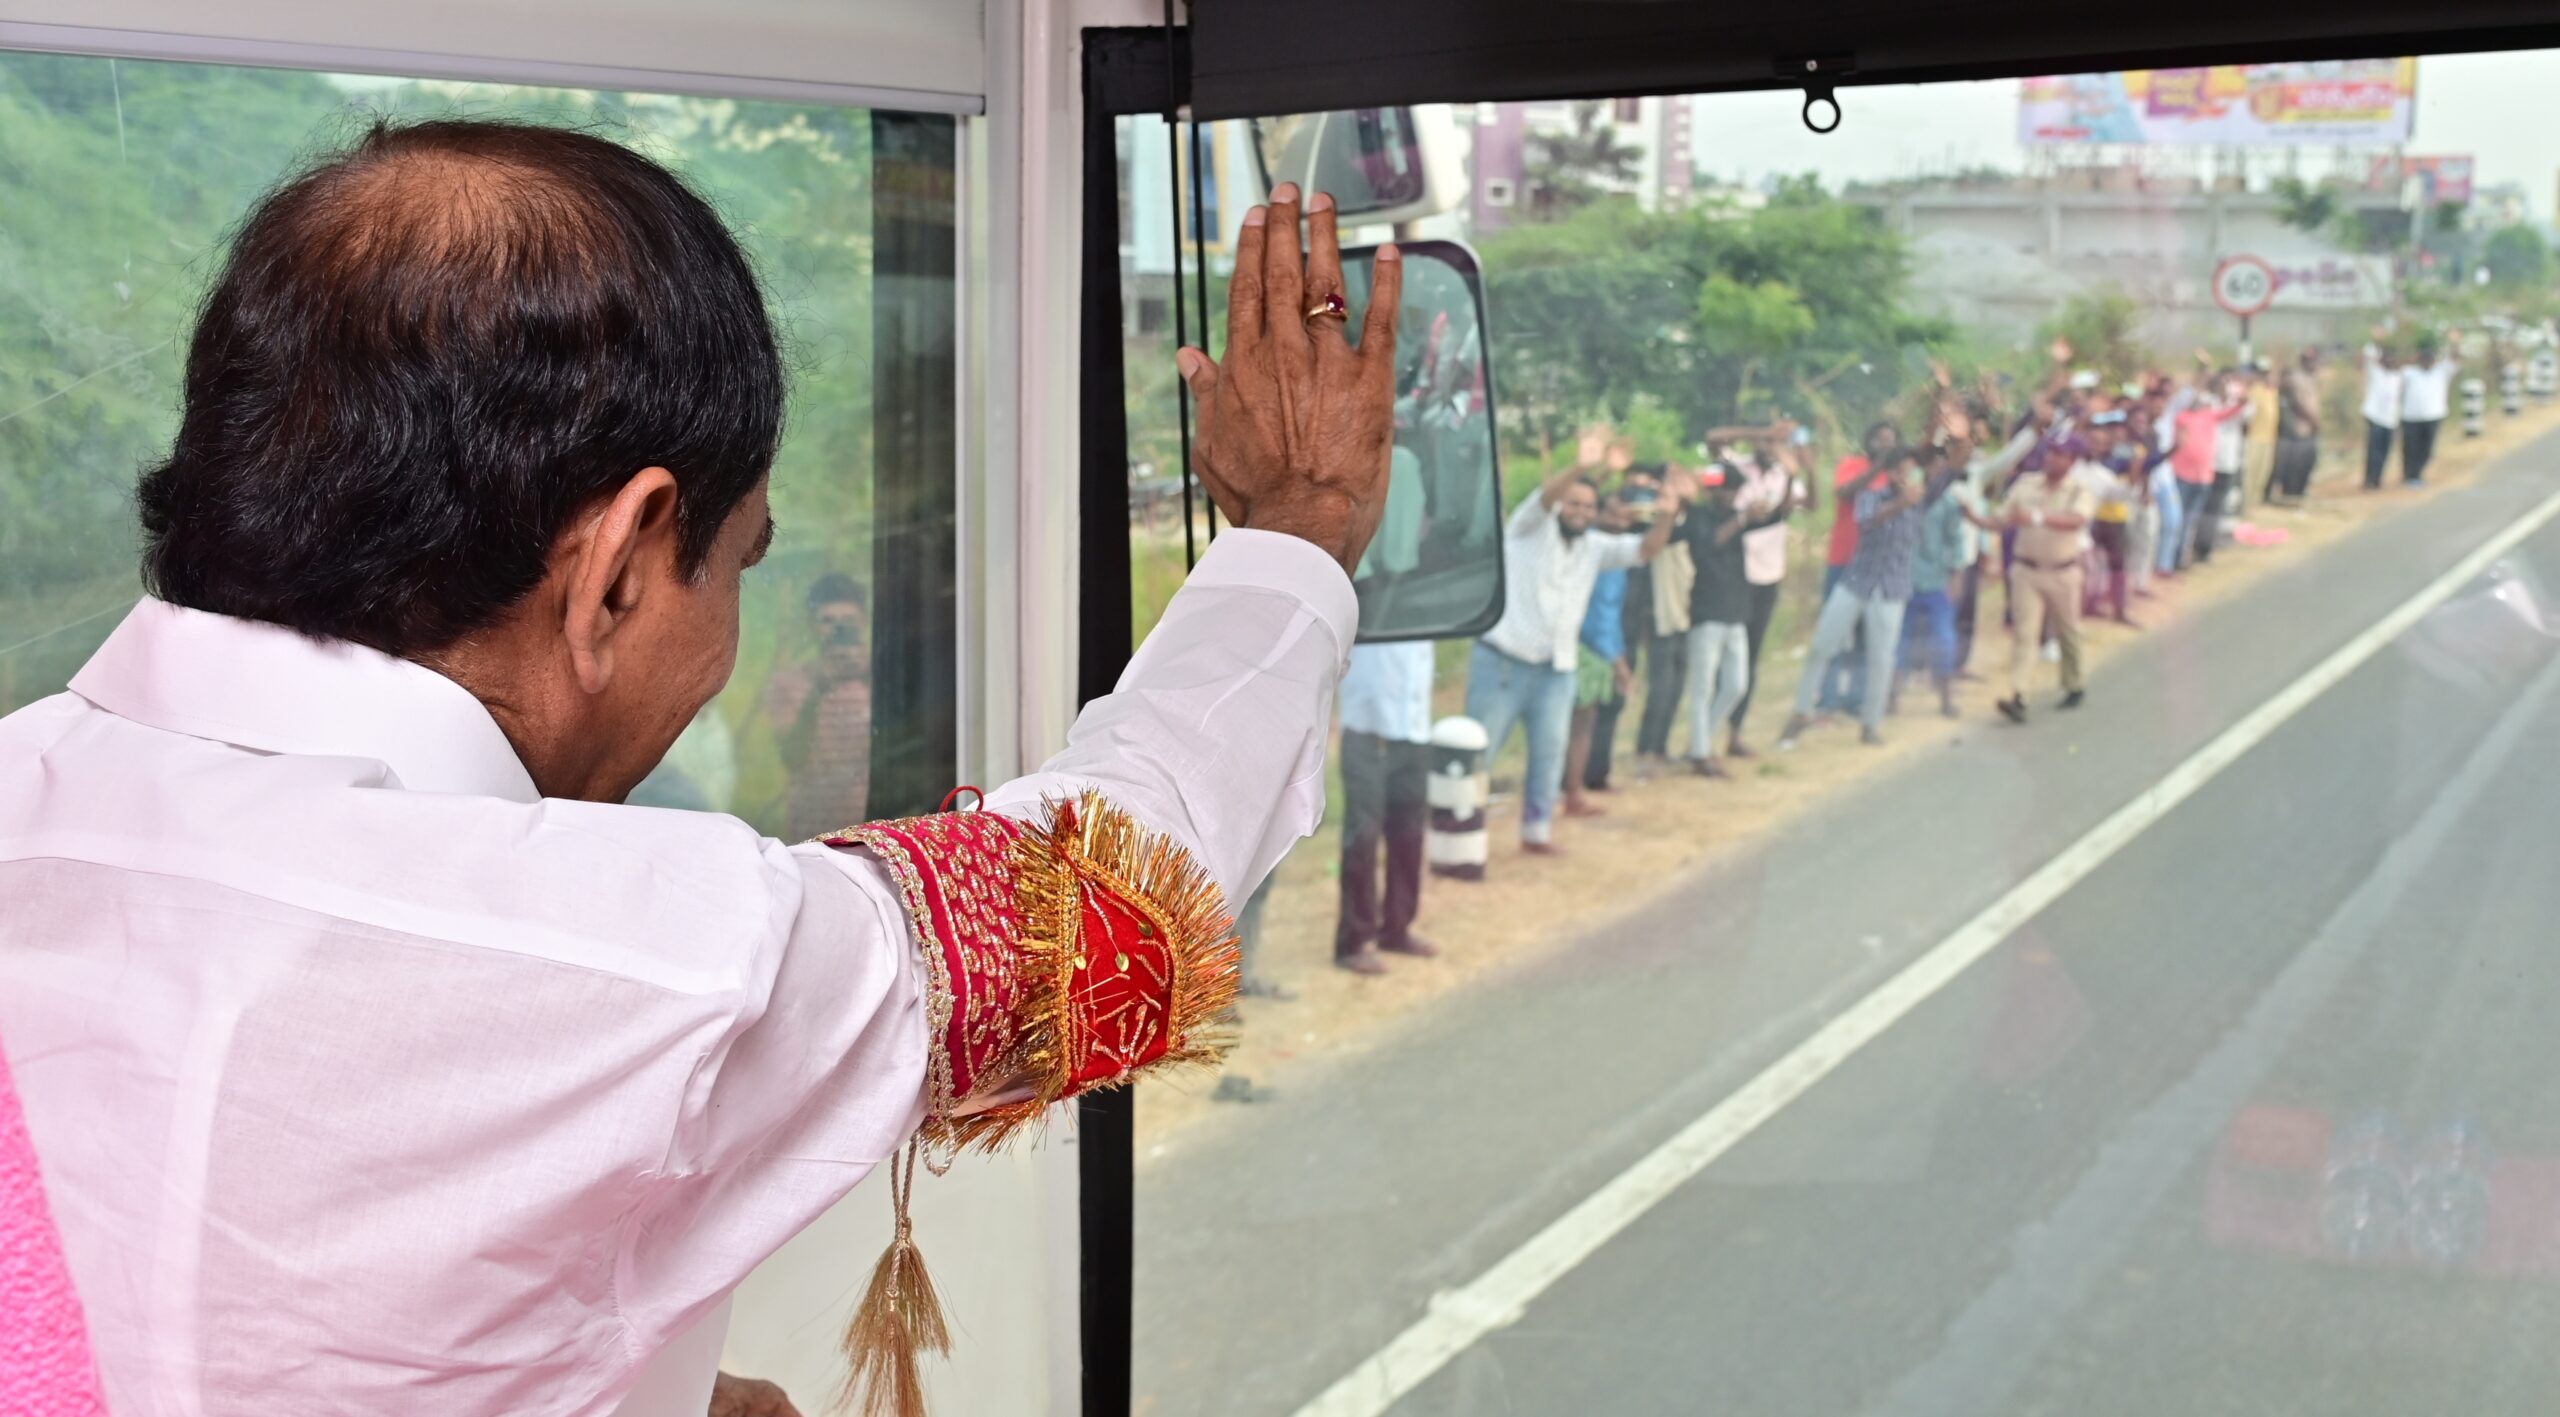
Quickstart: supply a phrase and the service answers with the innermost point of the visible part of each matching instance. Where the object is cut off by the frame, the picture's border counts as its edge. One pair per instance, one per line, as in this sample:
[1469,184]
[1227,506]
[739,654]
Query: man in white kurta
[302,980]
[367,1077]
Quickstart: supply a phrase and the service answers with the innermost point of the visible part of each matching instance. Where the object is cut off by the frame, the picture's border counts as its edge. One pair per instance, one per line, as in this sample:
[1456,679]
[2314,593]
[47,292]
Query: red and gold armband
[1060,956]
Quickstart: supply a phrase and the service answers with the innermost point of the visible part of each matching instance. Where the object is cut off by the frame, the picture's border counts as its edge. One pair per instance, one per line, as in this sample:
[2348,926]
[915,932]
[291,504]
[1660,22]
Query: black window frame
[1135,71]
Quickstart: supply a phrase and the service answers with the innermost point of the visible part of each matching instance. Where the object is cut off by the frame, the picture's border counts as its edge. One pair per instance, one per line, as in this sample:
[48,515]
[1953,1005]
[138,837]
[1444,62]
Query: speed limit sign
[2244,285]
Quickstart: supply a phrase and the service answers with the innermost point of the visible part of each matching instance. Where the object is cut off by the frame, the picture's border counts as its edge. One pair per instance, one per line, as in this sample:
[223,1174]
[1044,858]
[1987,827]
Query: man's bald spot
[427,353]
[419,226]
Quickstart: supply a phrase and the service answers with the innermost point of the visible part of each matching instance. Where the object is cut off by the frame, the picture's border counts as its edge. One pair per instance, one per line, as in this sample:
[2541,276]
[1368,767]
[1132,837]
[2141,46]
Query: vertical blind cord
[1200,273]
[1181,321]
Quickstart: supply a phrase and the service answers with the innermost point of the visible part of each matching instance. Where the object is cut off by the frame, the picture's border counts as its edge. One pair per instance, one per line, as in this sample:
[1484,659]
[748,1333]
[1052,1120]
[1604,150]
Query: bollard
[2475,403]
[1455,845]
[2542,374]
[2511,390]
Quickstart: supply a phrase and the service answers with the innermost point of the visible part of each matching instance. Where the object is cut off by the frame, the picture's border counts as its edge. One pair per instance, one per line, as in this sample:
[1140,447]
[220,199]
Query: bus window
[119,180]
[2031,898]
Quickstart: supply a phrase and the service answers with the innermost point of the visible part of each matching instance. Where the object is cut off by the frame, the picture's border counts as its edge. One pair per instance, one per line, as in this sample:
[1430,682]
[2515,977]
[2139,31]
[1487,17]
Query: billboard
[2350,101]
[2439,179]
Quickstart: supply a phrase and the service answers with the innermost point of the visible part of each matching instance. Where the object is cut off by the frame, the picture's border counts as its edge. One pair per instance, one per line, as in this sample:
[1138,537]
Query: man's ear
[627,546]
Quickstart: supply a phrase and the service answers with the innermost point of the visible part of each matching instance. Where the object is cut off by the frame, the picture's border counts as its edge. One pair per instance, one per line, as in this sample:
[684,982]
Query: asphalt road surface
[2261,1114]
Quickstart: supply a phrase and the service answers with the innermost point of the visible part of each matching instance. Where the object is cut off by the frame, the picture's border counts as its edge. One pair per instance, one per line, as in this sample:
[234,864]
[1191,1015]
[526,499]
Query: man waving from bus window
[377,1058]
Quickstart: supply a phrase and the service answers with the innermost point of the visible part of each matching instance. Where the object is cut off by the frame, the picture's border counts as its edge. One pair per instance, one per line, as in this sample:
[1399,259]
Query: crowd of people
[1628,578]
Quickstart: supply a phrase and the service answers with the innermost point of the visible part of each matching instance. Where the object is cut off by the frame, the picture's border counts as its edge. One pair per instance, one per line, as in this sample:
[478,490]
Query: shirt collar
[275,690]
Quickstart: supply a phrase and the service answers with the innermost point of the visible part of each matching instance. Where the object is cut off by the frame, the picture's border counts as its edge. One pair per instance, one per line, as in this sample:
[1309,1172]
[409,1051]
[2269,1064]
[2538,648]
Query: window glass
[2170,1040]
[119,182]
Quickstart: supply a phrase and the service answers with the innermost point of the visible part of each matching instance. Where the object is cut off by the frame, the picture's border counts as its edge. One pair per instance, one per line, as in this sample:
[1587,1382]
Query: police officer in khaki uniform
[2051,512]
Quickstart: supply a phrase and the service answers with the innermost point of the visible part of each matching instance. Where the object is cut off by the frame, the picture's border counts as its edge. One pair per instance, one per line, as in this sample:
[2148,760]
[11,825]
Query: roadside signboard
[2244,285]
[2361,102]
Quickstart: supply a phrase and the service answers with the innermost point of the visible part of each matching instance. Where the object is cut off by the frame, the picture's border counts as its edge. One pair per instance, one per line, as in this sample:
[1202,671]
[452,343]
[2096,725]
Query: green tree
[1796,309]
[2518,258]
[1566,170]
[1586,314]
[2103,330]
[1760,321]
[2305,207]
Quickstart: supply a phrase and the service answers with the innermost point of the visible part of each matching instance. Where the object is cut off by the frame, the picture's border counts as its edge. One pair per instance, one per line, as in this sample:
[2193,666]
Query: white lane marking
[1456,1319]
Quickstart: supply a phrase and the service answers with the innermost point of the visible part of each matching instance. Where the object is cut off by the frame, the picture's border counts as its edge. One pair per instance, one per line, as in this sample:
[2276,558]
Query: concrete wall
[2004,260]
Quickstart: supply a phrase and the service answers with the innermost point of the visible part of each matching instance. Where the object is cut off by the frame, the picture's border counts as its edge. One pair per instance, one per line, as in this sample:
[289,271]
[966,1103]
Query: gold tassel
[899,1319]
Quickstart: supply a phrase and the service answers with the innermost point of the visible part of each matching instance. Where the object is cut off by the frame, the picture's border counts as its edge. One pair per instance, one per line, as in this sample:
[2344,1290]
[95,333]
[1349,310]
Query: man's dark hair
[837,588]
[430,351]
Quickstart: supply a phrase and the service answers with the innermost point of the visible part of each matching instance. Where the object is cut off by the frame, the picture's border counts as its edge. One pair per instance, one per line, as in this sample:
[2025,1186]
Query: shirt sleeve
[2011,454]
[1530,515]
[1949,526]
[1213,742]
[1215,735]
[1619,550]
[1767,518]
[815,1076]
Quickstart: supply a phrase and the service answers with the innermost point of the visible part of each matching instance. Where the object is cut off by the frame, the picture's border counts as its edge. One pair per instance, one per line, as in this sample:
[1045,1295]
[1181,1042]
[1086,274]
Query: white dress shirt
[2426,391]
[1547,580]
[367,1080]
[2231,443]
[1387,691]
[2383,391]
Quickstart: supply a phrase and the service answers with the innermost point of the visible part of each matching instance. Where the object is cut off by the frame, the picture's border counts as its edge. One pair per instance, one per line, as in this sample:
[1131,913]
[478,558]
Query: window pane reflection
[2174,1049]
[118,183]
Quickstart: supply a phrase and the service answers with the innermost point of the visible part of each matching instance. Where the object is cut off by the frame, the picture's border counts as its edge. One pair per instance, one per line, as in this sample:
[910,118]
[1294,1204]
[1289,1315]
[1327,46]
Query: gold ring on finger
[1331,307]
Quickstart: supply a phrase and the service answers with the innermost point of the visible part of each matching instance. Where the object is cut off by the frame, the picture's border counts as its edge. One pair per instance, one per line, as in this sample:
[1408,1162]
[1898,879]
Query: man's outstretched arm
[1076,930]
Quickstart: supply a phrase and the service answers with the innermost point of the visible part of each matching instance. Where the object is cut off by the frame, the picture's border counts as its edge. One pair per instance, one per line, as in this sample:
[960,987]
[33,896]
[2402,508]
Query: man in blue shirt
[1639,495]
[1937,572]
[1600,672]
[1386,771]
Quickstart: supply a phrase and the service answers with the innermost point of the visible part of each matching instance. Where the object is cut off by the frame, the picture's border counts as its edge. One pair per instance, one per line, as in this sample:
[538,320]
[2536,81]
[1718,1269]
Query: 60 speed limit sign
[2244,285]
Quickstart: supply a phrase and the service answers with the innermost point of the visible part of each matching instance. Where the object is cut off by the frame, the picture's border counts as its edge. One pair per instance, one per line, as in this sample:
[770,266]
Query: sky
[2494,107]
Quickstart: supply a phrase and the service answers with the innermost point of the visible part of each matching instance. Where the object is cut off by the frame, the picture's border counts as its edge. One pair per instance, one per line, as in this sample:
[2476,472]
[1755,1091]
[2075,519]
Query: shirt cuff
[1292,565]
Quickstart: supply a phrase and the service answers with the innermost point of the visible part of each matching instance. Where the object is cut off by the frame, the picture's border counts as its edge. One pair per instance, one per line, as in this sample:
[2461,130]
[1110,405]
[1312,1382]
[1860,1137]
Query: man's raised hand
[1297,428]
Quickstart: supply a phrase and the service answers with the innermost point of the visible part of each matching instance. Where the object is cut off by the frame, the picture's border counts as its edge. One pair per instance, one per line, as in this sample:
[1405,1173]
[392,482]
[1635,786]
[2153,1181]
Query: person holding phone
[1717,528]
[1869,597]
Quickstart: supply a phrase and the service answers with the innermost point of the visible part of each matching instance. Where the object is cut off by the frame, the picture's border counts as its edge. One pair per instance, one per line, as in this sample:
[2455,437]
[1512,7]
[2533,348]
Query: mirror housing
[1381,165]
[1434,570]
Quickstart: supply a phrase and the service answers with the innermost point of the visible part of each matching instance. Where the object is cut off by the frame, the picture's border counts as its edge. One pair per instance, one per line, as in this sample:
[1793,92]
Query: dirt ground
[1660,832]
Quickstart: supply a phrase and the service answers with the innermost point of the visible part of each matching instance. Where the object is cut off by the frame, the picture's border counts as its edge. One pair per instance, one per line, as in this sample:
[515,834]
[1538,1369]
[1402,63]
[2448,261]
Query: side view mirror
[1381,164]
[1434,570]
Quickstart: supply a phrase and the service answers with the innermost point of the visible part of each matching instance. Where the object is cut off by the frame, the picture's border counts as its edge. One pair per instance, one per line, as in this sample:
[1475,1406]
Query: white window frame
[1007,1259]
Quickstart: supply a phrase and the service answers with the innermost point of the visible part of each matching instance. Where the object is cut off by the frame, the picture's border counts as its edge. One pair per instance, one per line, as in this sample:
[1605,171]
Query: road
[2252,1117]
